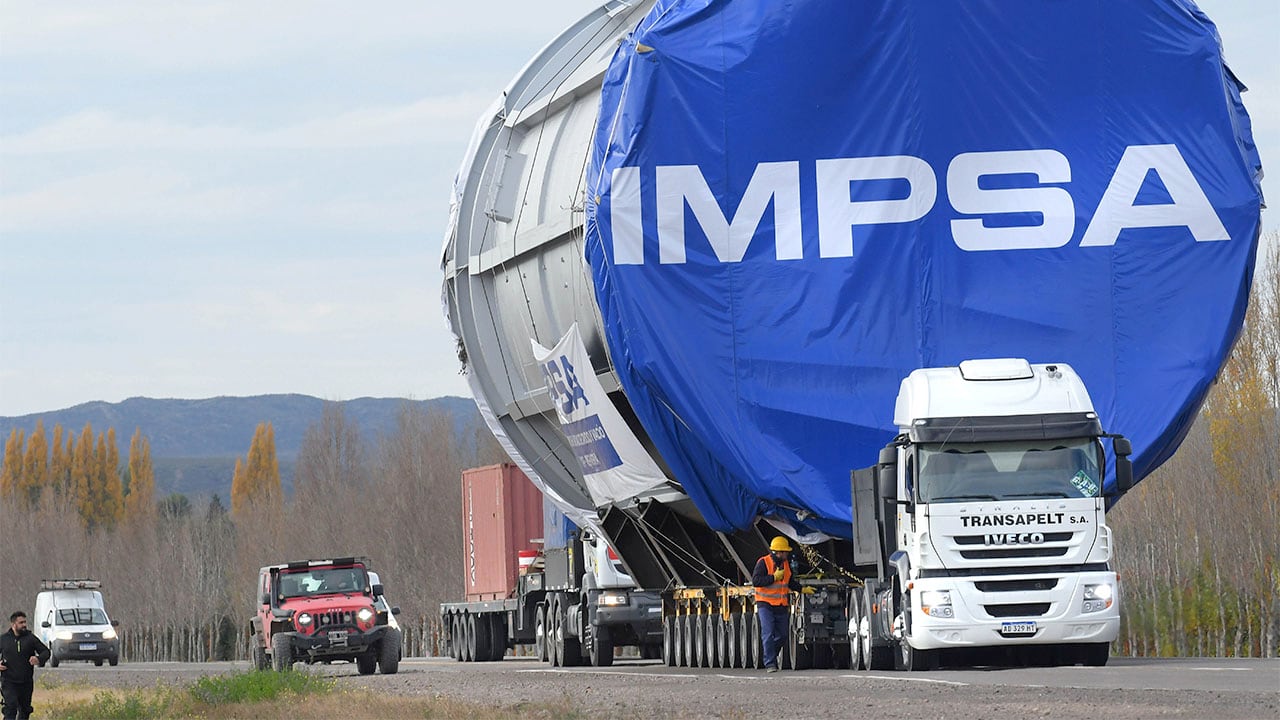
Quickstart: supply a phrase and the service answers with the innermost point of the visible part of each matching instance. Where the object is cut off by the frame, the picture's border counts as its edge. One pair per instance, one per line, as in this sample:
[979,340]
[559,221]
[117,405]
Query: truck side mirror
[377,590]
[1124,474]
[1122,446]
[887,480]
[45,624]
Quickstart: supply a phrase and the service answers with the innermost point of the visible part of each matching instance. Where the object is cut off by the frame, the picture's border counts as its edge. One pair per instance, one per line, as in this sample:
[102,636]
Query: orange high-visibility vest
[778,593]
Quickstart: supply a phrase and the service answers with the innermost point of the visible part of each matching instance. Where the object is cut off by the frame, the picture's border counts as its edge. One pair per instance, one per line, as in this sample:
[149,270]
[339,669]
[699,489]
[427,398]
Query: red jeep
[321,611]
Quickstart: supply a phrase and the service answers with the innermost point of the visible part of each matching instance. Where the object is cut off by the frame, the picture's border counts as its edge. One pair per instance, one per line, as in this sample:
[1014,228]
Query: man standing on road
[774,583]
[20,653]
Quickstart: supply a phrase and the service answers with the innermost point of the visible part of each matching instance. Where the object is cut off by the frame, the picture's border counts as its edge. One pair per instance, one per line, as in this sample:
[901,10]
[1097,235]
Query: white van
[72,621]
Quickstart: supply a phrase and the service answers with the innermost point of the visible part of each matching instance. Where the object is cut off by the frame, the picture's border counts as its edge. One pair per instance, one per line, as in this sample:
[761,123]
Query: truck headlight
[365,615]
[1098,597]
[109,634]
[613,599]
[64,635]
[936,603]
[304,619]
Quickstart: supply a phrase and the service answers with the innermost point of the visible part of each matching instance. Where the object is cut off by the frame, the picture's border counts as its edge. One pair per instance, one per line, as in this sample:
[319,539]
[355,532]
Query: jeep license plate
[1018,628]
[338,637]
[88,646]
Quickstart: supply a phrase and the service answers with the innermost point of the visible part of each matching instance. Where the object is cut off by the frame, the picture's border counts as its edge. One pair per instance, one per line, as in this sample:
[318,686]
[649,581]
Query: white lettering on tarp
[839,216]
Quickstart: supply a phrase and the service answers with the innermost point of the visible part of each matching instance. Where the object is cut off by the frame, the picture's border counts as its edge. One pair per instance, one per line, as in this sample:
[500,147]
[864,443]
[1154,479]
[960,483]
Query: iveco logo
[839,216]
[1034,538]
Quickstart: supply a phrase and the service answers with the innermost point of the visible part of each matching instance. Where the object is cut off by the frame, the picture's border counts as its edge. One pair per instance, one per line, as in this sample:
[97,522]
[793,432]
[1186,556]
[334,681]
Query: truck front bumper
[642,611]
[983,617]
[336,643]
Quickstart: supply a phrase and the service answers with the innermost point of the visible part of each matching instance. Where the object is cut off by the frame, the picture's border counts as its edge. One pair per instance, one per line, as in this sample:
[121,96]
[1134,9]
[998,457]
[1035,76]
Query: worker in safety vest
[773,584]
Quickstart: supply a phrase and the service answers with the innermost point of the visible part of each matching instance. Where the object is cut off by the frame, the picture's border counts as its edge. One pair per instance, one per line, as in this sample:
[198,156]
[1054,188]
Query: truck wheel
[260,659]
[668,642]
[731,636]
[484,637]
[700,640]
[367,663]
[690,636]
[909,658]
[799,655]
[553,656]
[856,617]
[53,661]
[540,632]
[281,652]
[469,632]
[711,639]
[875,657]
[599,646]
[497,637]
[389,652]
[568,649]
[721,626]
[1095,654]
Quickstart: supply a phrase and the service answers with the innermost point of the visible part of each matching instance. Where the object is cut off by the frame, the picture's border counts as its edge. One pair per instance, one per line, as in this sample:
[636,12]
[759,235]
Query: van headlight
[109,633]
[64,635]
[365,615]
[936,603]
[1098,597]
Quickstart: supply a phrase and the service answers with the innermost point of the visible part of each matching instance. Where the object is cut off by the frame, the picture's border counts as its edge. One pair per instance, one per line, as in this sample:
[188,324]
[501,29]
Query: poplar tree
[59,462]
[256,481]
[110,488]
[35,470]
[83,472]
[140,502]
[11,474]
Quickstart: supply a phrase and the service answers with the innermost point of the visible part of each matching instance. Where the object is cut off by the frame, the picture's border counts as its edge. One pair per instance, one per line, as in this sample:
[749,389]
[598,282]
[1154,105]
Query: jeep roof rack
[302,564]
[71,584]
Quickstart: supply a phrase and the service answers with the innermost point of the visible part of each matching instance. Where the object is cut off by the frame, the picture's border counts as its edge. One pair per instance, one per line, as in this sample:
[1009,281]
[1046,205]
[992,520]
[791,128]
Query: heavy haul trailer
[687,270]
[567,597]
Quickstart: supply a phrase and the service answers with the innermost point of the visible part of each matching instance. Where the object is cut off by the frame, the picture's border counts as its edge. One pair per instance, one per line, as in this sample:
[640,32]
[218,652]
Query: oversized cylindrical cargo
[759,217]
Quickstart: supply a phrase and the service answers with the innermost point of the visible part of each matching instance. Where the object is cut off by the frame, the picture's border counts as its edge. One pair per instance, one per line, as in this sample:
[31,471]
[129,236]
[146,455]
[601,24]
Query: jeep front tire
[281,652]
[389,652]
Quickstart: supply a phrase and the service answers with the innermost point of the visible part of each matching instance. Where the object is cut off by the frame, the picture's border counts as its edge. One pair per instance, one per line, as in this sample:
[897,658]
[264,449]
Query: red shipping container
[501,515]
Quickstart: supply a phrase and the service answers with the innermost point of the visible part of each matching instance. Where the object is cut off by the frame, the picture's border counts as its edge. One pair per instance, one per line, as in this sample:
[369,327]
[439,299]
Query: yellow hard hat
[780,544]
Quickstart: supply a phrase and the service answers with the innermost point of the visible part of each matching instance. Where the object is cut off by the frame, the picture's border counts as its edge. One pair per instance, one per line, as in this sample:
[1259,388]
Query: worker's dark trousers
[773,630]
[17,699]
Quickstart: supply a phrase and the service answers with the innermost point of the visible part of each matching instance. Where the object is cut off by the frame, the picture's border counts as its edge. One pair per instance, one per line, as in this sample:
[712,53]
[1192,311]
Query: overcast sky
[239,198]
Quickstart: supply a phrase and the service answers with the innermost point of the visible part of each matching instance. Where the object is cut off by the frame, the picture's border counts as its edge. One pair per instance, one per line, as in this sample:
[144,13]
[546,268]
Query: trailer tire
[799,655]
[389,652]
[690,635]
[700,640]
[757,650]
[553,656]
[469,635]
[721,626]
[456,636]
[668,643]
[484,637]
[540,632]
[731,636]
[568,650]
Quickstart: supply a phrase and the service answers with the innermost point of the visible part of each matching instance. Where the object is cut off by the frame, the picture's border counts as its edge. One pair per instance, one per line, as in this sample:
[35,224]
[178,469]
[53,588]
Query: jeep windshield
[321,581]
[1015,470]
[81,616]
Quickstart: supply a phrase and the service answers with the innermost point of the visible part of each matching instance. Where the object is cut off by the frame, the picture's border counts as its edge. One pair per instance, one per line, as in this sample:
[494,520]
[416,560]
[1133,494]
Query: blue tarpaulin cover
[791,205]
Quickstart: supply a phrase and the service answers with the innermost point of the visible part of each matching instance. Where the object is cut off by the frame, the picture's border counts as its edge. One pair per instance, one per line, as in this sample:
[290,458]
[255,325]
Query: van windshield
[81,616]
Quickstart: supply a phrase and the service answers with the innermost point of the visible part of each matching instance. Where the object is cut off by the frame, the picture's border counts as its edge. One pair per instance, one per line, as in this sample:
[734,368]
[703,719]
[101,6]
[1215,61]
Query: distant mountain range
[195,443]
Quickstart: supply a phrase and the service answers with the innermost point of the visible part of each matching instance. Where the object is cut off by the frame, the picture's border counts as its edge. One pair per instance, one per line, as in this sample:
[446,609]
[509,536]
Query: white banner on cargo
[614,464]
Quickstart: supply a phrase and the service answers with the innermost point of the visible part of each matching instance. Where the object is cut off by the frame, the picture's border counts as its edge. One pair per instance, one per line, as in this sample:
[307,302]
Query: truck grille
[981,539]
[1037,551]
[335,618]
[1017,610]
[1016,585]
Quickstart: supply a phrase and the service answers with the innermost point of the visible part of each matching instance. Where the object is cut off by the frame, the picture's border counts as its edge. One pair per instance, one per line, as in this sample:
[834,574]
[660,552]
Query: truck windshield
[1009,470]
[321,581]
[81,616]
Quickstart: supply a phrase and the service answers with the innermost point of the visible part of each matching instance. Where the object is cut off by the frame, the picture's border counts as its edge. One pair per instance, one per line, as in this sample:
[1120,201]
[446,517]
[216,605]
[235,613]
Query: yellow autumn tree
[256,480]
[139,503]
[84,476]
[59,462]
[111,489]
[11,473]
[35,467]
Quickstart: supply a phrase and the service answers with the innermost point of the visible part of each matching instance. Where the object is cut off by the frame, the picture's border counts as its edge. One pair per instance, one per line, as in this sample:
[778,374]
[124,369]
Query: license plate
[815,618]
[338,637]
[88,646]
[1018,628]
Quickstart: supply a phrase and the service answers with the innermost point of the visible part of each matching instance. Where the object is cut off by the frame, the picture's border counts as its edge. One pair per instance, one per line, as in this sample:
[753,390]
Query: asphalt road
[1126,688]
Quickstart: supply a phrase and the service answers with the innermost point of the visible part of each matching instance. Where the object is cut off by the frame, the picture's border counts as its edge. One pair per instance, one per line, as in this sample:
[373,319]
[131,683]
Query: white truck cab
[1001,534]
[72,621]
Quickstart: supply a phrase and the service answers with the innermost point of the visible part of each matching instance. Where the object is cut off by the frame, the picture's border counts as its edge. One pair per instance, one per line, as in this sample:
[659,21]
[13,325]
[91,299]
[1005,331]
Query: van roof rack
[71,584]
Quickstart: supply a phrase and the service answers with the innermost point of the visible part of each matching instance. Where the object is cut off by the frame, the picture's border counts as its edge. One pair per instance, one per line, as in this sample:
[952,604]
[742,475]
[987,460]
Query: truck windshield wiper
[1047,494]
[964,497]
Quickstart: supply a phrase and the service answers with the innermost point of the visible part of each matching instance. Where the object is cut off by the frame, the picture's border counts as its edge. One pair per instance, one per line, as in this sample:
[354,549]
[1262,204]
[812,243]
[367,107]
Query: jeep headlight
[109,634]
[365,615]
[1097,597]
[64,635]
[304,619]
[613,599]
[936,603]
